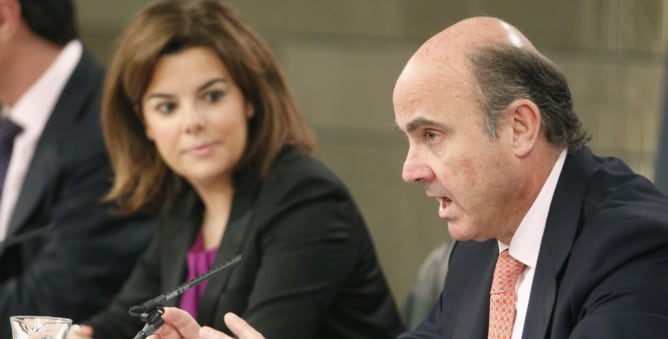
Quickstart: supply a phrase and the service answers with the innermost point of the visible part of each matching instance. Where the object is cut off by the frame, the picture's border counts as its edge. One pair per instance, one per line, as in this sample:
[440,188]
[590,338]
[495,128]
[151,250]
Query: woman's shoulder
[297,175]
[297,165]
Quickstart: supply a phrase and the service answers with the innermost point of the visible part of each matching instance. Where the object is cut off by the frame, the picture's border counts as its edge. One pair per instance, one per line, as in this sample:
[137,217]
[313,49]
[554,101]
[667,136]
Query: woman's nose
[193,120]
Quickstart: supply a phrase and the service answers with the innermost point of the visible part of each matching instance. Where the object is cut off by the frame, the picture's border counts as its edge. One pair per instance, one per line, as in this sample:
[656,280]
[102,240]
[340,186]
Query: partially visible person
[428,285]
[661,164]
[63,251]
[201,124]
[552,241]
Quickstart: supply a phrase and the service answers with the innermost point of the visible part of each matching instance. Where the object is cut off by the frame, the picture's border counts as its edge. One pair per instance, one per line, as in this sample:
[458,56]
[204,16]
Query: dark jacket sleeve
[143,284]
[317,264]
[307,253]
[618,270]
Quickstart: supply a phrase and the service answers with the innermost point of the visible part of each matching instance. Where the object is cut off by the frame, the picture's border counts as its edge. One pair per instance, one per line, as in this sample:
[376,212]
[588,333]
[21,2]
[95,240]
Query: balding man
[494,138]
[552,241]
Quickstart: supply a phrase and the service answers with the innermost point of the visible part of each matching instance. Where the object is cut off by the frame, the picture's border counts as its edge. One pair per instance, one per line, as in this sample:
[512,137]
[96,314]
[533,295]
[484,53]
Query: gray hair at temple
[506,73]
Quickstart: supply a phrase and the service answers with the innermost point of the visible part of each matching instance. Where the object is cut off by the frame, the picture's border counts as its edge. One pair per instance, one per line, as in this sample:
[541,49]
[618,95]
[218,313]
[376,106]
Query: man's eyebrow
[421,122]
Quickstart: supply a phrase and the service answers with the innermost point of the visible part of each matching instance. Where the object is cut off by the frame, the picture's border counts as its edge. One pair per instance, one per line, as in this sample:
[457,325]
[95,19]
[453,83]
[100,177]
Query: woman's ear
[525,125]
[250,110]
[137,110]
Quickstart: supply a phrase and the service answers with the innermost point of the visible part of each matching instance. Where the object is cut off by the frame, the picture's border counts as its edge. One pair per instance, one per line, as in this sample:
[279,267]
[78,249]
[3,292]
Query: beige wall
[341,58]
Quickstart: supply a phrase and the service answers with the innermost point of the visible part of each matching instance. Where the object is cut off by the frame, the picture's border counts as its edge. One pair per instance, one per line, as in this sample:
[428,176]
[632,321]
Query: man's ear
[10,19]
[525,125]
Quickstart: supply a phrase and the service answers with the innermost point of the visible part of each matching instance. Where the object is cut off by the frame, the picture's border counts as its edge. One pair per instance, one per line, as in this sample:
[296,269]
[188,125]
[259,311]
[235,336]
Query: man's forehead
[420,84]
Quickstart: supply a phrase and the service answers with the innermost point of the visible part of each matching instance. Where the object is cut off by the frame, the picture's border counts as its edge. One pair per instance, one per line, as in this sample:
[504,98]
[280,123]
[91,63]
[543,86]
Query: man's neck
[23,63]
[536,172]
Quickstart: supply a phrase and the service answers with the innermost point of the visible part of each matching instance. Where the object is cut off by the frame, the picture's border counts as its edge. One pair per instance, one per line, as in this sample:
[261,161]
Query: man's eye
[430,137]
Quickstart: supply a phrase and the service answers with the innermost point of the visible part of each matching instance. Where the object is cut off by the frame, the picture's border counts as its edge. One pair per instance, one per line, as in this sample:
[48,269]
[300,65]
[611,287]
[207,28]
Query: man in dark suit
[552,240]
[494,138]
[64,252]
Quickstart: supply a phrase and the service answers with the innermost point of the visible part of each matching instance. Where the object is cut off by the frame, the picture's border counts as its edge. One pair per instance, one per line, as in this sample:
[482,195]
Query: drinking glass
[39,327]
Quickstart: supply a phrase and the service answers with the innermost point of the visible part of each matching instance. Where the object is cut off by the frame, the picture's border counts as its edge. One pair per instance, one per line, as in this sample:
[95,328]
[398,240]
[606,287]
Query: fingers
[207,332]
[239,327]
[168,331]
[81,332]
[178,324]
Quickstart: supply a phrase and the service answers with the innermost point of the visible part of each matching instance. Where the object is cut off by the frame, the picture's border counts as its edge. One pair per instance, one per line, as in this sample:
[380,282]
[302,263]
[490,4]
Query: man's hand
[180,324]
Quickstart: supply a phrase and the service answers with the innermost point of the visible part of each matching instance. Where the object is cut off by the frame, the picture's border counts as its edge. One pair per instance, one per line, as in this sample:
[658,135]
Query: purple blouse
[199,261]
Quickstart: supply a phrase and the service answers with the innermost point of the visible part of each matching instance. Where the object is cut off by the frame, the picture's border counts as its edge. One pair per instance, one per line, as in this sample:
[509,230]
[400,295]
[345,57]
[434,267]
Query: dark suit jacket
[309,268]
[74,268]
[602,270]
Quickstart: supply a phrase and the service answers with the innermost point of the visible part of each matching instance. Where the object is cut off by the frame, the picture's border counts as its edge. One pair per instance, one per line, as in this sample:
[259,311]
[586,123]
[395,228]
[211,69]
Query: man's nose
[415,170]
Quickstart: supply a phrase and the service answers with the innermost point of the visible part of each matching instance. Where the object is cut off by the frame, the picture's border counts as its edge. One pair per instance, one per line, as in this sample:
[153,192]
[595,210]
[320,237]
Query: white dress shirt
[31,112]
[525,244]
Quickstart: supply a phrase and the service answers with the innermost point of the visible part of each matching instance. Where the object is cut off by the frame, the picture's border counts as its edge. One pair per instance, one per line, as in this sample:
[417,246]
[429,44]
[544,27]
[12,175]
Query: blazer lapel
[181,238]
[560,230]
[230,246]
[467,297]
[44,165]
[181,220]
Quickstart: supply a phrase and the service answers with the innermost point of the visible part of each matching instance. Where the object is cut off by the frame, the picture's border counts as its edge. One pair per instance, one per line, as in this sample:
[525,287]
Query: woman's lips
[201,150]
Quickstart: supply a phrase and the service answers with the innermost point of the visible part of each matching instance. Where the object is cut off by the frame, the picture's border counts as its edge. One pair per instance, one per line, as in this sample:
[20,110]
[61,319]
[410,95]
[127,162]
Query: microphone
[21,237]
[151,310]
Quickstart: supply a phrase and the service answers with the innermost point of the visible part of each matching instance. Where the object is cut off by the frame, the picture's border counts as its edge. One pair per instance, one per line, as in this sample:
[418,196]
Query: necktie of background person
[502,296]
[8,131]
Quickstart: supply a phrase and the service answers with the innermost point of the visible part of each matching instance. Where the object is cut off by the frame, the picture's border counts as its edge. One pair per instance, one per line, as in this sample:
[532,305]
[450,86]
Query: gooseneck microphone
[150,311]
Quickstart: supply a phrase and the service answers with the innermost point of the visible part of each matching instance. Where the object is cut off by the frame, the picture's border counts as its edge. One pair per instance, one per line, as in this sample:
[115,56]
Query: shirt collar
[525,244]
[34,107]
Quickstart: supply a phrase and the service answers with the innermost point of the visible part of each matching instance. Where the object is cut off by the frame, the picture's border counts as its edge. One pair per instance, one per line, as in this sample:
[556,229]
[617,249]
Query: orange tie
[502,297]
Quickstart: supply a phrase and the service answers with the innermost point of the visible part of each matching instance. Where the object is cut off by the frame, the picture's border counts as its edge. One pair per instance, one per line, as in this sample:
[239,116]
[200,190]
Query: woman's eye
[213,96]
[165,107]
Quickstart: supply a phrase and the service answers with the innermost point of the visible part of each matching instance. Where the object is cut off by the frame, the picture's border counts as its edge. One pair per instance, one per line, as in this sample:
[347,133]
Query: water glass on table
[39,327]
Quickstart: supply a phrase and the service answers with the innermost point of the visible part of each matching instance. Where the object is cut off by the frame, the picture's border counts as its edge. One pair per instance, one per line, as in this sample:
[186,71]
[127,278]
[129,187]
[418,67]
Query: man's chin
[459,233]
[464,233]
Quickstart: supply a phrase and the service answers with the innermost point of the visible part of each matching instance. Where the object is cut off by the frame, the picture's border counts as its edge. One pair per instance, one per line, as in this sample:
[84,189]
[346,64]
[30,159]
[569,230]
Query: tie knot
[506,272]
[8,130]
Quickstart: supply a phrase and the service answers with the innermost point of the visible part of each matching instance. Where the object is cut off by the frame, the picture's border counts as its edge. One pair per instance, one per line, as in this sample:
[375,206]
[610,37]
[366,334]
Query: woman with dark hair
[200,123]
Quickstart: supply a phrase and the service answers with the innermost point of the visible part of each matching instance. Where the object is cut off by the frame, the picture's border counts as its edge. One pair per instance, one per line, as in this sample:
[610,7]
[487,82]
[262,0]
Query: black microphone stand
[150,312]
